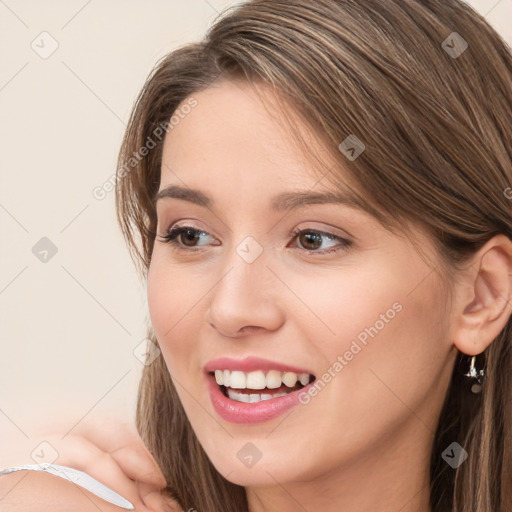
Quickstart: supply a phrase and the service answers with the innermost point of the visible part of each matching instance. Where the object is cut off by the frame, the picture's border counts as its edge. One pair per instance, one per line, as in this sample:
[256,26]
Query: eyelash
[174,233]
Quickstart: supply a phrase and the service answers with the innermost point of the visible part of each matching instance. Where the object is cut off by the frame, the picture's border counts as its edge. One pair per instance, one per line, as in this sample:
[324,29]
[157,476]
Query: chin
[241,463]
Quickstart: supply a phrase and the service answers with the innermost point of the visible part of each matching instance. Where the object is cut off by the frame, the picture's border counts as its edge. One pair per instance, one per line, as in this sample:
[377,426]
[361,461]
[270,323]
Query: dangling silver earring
[475,374]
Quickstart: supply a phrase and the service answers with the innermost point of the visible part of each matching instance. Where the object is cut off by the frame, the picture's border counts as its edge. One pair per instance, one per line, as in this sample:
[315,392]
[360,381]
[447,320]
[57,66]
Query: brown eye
[310,240]
[184,237]
[189,237]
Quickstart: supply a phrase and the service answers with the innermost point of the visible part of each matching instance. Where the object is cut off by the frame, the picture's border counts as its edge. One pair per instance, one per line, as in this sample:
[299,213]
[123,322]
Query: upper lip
[250,363]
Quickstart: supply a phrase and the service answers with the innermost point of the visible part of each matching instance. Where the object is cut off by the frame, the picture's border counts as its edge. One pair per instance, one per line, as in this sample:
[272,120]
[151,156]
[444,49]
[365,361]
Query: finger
[122,441]
[128,462]
[79,453]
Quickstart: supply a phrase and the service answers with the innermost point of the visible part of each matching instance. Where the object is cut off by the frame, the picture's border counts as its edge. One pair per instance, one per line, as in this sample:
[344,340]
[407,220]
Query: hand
[110,451]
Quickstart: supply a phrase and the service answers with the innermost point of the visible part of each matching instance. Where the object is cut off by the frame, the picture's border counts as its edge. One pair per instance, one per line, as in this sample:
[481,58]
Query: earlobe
[490,305]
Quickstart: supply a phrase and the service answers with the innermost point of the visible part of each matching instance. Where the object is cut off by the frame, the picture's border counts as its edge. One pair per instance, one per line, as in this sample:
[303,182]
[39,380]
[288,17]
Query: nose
[245,299]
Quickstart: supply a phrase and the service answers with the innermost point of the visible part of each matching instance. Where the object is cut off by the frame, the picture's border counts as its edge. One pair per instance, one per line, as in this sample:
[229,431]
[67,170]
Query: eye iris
[310,237]
[190,235]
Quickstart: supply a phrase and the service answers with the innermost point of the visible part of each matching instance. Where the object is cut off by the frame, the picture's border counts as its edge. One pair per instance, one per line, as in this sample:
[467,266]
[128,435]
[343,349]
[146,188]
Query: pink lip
[250,364]
[241,412]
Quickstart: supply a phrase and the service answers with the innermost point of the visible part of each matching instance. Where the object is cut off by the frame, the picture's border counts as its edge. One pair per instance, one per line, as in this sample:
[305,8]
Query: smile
[241,386]
[254,389]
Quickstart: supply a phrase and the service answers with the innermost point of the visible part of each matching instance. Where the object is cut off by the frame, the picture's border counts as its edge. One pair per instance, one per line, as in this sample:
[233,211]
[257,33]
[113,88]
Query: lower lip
[242,412]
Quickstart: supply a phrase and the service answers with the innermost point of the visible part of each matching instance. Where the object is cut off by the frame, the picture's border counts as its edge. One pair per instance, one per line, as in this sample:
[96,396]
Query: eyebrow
[280,202]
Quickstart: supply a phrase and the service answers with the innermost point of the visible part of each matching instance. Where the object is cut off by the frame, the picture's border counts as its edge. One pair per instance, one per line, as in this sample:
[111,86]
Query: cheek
[381,337]
[402,365]
[173,309]
[339,307]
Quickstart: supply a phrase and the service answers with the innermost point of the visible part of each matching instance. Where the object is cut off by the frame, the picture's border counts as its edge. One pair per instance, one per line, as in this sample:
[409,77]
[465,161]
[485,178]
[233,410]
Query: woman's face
[345,301]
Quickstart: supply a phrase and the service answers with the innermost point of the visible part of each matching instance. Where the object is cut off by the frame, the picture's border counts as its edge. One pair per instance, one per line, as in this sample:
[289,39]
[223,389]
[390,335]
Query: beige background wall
[69,324]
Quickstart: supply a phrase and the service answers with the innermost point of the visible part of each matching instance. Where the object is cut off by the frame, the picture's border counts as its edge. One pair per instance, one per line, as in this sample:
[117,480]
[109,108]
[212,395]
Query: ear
[484,296]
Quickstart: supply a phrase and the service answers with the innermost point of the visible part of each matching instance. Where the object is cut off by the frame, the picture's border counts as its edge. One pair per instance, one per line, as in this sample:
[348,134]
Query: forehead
[231,134]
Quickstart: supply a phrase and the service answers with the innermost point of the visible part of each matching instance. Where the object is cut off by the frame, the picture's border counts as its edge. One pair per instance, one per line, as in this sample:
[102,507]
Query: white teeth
[290,379]
[227,377]
[253,397]
[243,398]
[258,380]
[238,380]
[274,379]
[304,378]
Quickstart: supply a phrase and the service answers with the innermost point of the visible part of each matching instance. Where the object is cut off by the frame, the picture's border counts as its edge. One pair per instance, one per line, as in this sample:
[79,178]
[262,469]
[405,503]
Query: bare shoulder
[36,491]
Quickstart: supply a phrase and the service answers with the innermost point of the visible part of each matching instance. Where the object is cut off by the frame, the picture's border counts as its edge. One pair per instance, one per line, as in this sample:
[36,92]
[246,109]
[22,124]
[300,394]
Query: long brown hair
[437,130]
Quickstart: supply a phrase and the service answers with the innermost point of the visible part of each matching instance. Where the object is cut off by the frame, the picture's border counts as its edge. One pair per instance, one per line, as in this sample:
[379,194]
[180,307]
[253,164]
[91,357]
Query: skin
[109,450]
[364,442]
